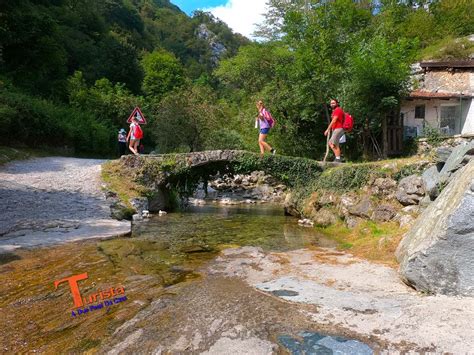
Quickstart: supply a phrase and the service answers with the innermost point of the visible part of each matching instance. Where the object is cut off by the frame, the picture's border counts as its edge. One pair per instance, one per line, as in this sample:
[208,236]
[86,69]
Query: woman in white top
[134,140]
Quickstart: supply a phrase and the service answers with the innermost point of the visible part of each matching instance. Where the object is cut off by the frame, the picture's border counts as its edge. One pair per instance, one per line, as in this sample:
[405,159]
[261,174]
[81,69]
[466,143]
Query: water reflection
[320,344]
[211,226]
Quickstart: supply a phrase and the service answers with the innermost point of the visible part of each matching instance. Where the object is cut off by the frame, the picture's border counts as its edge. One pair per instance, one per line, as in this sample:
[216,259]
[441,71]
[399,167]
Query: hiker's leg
[261,141]
[135,146]
[131,146]
[334,142]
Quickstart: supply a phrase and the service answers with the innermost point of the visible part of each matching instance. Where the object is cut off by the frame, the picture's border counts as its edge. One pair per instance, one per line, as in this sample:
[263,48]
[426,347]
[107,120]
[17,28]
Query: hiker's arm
[333,121]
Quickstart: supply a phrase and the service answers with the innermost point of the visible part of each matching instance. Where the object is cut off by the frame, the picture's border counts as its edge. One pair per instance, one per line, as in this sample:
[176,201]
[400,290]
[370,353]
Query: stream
[164,256]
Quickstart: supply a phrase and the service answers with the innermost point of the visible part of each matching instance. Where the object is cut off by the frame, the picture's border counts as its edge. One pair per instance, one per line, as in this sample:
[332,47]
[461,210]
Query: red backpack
[348,122]
[138,132]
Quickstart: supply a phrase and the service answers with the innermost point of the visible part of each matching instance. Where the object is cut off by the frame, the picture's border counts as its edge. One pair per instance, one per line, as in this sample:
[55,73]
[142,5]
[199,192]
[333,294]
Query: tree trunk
[328,118]
[366,143]
[384,136]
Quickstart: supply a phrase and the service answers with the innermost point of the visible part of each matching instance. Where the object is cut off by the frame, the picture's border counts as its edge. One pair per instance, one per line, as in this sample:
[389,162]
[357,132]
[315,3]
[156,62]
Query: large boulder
[437,254]
[410,190]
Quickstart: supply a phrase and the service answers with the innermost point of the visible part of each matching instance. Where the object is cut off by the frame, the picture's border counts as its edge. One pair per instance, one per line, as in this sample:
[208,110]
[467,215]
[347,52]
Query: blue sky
[189,6]
[240,15]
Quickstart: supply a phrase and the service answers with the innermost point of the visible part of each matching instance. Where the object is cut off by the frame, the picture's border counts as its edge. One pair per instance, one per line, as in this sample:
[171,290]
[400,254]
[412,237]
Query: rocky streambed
[219,279]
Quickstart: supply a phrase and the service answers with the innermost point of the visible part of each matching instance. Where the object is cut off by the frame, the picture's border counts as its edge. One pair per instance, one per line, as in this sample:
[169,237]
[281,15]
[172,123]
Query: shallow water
[163,251]
[320,344]
[211,227]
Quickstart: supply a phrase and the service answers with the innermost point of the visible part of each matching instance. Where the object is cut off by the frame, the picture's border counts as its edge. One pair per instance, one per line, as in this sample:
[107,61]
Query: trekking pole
[327,148]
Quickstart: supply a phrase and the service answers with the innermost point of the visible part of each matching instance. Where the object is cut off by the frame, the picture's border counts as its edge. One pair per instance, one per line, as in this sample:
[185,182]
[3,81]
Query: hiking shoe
[273,151]
[338,160]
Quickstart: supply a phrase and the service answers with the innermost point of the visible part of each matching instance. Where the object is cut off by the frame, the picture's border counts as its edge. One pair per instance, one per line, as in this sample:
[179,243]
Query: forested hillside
[71,71]
[93,61]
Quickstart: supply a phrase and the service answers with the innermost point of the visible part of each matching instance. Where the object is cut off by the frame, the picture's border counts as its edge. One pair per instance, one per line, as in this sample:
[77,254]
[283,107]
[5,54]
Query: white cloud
[241,15]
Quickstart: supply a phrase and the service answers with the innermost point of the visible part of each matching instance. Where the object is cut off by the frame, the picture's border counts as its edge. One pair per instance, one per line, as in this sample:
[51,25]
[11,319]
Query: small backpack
[268,117]
[348,122]
[138,133]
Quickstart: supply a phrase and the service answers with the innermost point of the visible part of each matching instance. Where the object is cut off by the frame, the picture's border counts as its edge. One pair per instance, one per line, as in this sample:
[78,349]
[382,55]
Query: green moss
[8,154]
[348,177]
[86,344]
[346,246]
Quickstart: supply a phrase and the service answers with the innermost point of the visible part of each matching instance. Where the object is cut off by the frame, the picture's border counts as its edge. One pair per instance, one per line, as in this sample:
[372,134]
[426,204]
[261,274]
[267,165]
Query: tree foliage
[185,119]
[163,73]
[103,58]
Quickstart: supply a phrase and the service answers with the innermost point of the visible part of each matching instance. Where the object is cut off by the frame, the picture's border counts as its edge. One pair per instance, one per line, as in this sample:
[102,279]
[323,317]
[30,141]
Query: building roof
[449,64]
[420,94]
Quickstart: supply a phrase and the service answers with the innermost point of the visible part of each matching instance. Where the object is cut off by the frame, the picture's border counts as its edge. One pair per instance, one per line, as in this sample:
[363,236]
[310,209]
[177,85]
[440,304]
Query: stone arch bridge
[160,174]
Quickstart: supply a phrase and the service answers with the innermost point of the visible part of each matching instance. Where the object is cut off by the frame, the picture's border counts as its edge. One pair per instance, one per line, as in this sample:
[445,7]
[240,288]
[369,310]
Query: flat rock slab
[54,200]
[364,298]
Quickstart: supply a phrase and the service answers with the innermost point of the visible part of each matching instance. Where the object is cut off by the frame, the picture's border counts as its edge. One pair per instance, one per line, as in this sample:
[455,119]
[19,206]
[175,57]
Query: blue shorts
[264,130]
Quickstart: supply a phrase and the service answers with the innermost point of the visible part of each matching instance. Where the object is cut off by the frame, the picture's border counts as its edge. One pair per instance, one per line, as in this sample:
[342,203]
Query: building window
[420,111]
[450,122]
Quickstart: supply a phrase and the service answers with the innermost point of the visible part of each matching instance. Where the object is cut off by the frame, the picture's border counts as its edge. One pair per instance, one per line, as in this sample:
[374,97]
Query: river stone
[324,217]
[362,209]
[346,202]
[383,213]
[352,221]
[410,190]
[431,178]
[436,255]
[327,199]
[384,186]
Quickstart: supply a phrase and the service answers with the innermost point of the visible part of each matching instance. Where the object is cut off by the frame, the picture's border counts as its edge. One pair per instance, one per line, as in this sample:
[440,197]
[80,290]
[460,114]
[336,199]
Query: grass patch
[118,179]
[372,241]
[449,48]
[8,154]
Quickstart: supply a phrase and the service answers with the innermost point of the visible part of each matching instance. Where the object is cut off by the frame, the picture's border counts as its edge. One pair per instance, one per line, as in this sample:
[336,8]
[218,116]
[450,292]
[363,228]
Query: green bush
[433,136]
[225,139]
[38,122]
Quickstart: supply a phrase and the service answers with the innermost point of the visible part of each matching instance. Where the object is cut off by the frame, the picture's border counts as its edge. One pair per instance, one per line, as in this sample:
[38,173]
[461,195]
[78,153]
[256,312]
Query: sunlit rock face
[436,254]
[217,48]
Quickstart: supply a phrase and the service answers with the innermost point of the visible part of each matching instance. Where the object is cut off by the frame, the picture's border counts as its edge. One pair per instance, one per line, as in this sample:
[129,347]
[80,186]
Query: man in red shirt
[337,118]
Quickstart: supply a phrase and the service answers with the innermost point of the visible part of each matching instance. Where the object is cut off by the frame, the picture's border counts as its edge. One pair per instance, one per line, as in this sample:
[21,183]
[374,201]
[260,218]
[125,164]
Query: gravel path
[53,200]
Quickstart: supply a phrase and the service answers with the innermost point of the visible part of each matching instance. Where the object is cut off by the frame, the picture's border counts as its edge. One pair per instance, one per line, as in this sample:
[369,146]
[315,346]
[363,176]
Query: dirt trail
[53,200]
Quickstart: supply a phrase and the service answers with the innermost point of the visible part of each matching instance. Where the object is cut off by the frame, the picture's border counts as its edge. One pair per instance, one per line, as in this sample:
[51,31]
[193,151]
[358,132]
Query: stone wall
[447,81]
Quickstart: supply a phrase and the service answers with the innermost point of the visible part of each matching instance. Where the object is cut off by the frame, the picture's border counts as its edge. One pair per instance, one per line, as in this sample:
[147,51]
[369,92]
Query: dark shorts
[264,130]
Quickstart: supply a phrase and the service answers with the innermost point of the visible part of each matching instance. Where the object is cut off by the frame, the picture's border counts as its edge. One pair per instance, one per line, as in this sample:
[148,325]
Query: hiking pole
[327,148]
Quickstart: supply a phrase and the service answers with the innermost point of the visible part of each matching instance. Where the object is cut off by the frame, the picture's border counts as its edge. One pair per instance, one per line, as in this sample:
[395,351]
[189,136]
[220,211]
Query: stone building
[442,100]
